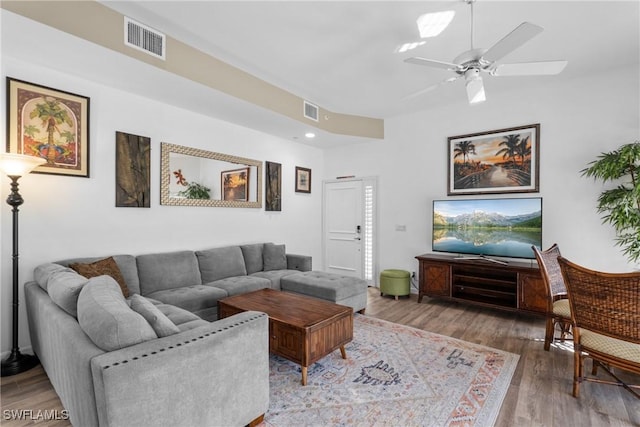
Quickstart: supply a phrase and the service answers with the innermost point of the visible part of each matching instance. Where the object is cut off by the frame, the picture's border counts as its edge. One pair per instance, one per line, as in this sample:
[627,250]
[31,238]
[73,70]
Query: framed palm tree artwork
[494,162]
[235,185]
[51,124]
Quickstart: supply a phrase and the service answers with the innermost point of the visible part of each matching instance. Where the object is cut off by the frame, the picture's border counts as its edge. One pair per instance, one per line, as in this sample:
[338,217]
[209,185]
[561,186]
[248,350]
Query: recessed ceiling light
[310,135]
[432,24]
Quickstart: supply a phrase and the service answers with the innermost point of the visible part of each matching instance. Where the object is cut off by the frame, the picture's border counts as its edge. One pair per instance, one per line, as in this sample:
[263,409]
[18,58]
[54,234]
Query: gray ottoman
[344,290]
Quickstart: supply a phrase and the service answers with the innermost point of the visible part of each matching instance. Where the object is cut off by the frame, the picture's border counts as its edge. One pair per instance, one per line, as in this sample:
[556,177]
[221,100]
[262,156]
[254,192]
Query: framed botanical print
[303,180]
[493,162]
[49,123]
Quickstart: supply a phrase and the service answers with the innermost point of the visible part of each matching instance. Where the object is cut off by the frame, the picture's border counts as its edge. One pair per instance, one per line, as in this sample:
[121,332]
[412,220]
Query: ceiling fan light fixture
[432,24]
[475,90]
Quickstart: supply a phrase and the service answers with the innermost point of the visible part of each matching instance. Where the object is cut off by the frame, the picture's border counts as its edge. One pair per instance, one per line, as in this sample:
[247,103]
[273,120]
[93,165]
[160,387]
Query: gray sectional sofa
[211,372]
[161,356]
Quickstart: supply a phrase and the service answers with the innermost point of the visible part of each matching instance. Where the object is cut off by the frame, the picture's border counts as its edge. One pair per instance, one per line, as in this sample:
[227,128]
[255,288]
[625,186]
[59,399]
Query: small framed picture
[51,124]
[495,162]
[303,180]
[235,185]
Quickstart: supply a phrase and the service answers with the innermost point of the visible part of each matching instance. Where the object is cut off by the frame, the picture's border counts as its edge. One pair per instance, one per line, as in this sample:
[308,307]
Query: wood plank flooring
[539,395]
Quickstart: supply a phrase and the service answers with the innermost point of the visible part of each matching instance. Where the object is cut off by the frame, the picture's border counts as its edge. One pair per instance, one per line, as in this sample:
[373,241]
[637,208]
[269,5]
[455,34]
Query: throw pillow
[105,266]
[274,257]
[160,323]
[103,314]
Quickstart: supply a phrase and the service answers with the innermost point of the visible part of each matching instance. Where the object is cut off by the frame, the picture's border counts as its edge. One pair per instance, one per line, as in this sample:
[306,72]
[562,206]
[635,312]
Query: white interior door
[343,227]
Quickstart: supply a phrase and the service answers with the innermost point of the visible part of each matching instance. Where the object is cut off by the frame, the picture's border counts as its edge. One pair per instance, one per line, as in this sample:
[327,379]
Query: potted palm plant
[620,205]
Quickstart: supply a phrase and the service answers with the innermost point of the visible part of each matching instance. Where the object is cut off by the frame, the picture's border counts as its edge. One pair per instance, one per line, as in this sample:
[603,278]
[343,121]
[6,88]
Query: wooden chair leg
[565,328]
[577,371]
[548,334]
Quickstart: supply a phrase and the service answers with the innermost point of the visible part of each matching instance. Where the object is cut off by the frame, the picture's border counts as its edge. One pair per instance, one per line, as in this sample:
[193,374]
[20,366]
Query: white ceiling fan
[472,63]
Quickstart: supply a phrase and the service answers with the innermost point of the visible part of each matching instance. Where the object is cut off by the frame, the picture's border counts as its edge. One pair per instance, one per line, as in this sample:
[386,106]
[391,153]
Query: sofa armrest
[216,374]
[298,262]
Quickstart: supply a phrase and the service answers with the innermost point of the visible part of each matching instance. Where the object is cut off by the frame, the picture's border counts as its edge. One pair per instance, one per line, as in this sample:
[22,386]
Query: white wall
[65,217]
[578,118]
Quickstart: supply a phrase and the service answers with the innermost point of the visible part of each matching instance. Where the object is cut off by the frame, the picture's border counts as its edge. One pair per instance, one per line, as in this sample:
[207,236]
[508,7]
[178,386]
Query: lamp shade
[19,164]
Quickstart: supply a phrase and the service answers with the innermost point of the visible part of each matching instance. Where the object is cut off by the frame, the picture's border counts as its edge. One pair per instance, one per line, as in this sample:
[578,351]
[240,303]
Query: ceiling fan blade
[516,38]
[475,90]
[430,88]
[432,63]
[547,68]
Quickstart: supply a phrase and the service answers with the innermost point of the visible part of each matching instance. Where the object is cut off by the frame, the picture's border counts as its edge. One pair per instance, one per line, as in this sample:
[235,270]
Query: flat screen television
[488,227]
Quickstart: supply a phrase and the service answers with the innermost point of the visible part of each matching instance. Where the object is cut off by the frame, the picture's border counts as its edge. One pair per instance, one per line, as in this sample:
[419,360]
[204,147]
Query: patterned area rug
[395,375]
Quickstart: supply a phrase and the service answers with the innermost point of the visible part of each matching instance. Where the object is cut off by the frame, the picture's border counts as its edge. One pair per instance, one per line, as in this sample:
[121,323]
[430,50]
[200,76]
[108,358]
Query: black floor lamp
[15,166]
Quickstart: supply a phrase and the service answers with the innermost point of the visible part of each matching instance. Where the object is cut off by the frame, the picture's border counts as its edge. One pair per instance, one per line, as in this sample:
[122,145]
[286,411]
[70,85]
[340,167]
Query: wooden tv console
[516,286]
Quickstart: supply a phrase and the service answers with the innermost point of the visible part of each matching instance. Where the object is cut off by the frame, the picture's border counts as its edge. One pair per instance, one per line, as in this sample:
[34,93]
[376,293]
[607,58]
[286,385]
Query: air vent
[310,111]
[141,37]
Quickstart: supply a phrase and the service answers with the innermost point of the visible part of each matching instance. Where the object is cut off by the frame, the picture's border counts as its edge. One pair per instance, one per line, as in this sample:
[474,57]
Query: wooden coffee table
[301,329]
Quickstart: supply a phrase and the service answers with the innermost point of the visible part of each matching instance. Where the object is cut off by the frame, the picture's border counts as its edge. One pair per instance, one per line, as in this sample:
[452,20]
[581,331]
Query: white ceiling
[340,54]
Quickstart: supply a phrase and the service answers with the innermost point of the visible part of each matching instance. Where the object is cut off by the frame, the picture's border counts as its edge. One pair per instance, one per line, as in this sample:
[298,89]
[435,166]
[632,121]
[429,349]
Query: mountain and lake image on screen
[488,227]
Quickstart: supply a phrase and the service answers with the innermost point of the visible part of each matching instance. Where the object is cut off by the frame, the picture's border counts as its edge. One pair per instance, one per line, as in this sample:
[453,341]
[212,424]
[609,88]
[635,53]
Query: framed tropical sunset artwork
[51,124]
[235,185]
[493,162]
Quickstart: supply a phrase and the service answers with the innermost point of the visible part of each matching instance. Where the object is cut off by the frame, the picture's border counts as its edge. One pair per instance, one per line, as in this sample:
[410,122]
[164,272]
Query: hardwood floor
[539,395]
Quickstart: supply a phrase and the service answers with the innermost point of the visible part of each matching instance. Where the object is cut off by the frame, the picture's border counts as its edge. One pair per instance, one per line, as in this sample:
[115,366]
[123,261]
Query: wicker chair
[605,309]
[558,311]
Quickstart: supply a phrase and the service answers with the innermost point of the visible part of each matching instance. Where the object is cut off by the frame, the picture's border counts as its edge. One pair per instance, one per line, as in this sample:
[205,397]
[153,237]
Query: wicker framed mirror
[196,177]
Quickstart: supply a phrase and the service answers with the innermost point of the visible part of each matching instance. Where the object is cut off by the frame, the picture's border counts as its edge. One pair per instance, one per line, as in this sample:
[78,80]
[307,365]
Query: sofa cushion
[192,298]
[253,257]
[64,287]
[177,315]
[274,276]
[162,326]
[241,284]
[274,257]
[107,319]
[43,272]
[327,286]
[167,271]
[126,264]
[183,319]
[220,263]
[106,266]
[192,324]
